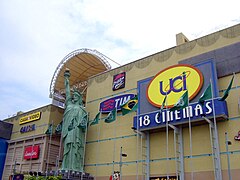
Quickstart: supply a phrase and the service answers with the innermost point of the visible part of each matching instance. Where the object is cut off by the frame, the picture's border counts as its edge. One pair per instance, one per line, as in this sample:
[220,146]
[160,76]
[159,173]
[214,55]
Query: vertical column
[148,156]
[215,149]
[178,144]
[144,156]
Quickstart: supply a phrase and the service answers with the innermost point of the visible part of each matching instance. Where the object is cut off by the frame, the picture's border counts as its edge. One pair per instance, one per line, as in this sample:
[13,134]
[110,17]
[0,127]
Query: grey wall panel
[5,130]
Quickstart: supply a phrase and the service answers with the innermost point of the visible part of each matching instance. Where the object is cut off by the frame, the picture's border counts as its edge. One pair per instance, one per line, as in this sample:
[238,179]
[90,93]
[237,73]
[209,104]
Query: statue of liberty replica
[74,127]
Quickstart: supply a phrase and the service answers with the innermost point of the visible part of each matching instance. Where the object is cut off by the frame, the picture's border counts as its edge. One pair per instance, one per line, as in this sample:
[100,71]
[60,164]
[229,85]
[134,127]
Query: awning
[82,63]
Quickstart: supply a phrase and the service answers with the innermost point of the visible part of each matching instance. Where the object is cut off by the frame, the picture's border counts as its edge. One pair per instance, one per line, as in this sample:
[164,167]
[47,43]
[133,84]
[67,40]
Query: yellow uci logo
[173,82]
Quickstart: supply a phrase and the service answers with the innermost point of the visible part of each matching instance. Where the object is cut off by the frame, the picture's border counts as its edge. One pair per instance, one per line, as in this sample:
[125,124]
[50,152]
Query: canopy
[82,63]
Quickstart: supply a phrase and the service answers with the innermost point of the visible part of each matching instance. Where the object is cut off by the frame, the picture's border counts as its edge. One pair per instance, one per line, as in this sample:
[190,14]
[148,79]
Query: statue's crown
[75,91]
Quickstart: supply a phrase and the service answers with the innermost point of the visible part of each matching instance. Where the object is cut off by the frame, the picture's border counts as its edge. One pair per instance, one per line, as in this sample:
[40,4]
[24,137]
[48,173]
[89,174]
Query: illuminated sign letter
[30,117]
[173,81]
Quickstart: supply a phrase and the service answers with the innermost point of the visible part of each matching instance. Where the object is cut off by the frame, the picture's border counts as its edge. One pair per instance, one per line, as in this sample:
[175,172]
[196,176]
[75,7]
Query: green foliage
[54,178]
[28,177]
[41,178]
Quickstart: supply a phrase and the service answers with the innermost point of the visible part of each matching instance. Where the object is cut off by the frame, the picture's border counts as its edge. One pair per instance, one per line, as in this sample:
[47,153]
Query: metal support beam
[227,142]
[178,144]
[215,149]
[145,154]
[148,156]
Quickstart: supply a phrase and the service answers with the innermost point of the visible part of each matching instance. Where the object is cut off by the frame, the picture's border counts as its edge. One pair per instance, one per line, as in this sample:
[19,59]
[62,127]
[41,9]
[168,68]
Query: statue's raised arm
[67,86]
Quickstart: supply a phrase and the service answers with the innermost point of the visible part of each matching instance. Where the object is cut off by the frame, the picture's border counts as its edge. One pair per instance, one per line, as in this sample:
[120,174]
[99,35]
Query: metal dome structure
[82,63]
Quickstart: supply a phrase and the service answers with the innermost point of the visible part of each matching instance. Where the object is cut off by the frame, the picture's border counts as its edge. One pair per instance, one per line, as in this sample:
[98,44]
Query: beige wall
[49,114]
[99,154]
[105,140]
[20,140]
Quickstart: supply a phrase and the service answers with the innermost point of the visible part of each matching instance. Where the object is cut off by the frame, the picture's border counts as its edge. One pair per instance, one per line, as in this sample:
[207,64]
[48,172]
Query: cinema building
[159,139]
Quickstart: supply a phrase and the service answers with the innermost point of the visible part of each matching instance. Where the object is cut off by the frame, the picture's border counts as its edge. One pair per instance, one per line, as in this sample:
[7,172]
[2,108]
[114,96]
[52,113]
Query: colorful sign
[194,112]
[30,118]
[115,102]
[164,178]
[119,81]
[173,81]
[31,152]
[17,177]
[115,176]
[237,137]
[28,128]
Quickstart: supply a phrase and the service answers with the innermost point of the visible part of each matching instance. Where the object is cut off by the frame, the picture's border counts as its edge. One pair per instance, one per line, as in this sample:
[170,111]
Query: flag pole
[236,87]
[190,133]
[137,145]
[39,162]
[59,152]
[49,146]
[167,141]
[98,141]
[114,142]
[190,138]
[175,148]
[215,126]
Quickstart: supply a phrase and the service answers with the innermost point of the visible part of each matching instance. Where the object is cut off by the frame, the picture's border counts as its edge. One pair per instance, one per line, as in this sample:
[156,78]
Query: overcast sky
[35,35]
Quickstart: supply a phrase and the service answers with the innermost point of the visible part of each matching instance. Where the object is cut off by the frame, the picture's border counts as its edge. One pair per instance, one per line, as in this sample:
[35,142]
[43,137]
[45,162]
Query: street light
[120,163]
[227,142]
[14,167]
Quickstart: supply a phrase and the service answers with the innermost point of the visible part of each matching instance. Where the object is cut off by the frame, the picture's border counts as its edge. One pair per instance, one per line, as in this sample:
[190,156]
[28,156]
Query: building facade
[30,149]
[197,142]
[152,152]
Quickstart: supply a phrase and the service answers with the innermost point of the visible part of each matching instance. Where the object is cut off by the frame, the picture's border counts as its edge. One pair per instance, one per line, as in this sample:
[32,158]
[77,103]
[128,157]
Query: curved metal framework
[103,59]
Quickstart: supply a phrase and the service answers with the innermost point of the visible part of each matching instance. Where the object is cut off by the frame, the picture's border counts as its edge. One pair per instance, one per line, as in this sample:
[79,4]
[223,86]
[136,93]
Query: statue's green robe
[73,133]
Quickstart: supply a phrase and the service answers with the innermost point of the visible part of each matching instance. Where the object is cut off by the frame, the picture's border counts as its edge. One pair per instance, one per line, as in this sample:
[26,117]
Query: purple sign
[115,102]
[119,81]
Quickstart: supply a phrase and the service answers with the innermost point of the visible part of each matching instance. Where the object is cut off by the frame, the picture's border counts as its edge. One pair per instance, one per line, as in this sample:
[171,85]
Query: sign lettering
[195,111]
[164,178]
[30,117]
[171,82]
[115,102]
[28,128]
[119,81]
[31,152]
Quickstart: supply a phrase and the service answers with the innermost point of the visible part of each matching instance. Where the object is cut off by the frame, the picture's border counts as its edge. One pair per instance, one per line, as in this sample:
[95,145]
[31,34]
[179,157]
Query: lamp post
[56,166]
[14,167]
[120,163]
[227,142]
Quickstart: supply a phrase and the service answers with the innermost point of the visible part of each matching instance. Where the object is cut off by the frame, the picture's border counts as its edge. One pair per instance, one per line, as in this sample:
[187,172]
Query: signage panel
[31,152]
[30,117]
[6,130]
[119,81]
[164,178]
[115,102]
[195,111]
[173,81]
[28,128]
[208,70]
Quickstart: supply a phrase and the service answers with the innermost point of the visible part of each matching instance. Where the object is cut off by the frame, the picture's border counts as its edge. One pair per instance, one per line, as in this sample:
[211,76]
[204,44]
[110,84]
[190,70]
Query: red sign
[31,152]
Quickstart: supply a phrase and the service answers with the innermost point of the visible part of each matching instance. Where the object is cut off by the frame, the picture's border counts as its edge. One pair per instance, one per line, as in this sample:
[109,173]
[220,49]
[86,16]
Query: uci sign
[173,82]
